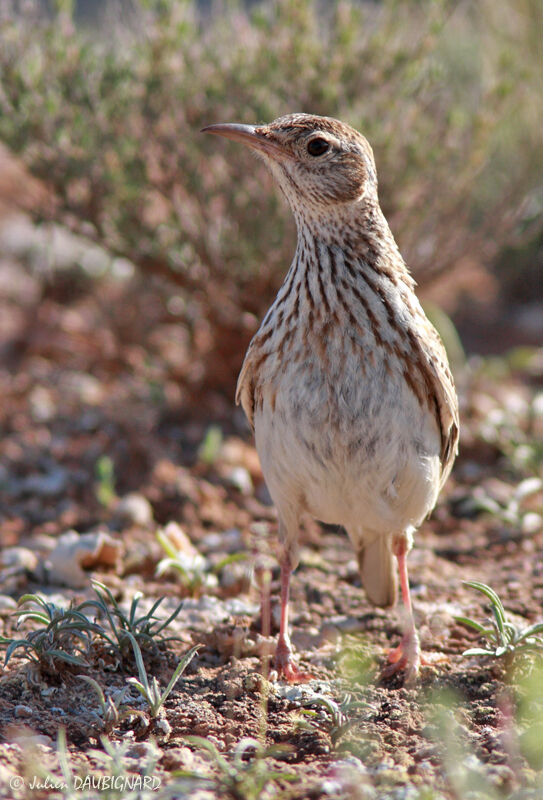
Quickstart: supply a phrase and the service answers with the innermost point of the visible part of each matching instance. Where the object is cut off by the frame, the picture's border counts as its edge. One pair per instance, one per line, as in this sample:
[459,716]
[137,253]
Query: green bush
[449,95]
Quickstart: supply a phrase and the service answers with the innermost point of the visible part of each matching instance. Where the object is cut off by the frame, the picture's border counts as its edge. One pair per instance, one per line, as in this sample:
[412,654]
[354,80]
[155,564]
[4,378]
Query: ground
[102,435]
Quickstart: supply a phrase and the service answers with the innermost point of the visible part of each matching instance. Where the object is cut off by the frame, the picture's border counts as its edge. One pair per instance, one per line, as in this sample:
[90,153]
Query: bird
[346,384]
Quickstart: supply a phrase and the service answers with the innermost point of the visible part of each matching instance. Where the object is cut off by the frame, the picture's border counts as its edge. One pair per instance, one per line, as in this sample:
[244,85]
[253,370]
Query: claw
[406,657]
[285,666]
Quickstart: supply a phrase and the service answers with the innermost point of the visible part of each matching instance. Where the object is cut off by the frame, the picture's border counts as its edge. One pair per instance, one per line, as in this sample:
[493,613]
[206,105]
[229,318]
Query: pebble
[230,541]
[185,759]
[7,604]
[49,484]
[235,578]
[349,774]
[42,404]
[240,478]
[135,509]
[19,557]
[42,742]
[142,750]
[254,682]
[74,551]
[163,728]
[22,711]
[531,523]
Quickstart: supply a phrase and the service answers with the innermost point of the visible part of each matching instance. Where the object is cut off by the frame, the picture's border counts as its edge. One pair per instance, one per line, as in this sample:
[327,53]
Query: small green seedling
[105,481]
[112,712]
[503,637]
[145,628]
[209,449]
[151,690]
[339,714]
[249,776]
[64,634]
[193,570]
[114,761]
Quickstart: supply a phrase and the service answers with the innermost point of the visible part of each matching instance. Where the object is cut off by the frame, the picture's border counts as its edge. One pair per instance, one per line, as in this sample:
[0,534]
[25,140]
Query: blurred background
[137,256]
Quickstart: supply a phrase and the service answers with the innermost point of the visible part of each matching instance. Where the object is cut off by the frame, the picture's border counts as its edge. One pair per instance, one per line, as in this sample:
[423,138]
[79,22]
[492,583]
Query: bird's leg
[265,602]
[407,655]
[284,663]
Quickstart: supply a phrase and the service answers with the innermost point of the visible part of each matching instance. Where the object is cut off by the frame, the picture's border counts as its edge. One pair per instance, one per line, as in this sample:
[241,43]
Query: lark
[346,384]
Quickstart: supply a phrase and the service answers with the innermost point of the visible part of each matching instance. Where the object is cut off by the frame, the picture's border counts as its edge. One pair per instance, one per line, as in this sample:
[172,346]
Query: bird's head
[320,163]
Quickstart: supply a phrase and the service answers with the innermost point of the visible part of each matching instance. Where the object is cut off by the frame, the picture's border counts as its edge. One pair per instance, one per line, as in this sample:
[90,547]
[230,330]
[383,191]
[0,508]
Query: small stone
[142,750]
[85,387]
[232,687]
[235,578]
[240,478]
[230,541]
[7,604]
[42,742]
[253,682]
[49,484]
[22,711]
[531,523]
[74,551]
[163,728]
[528,487]
[135,509]
[19,557]
[182,758]
[42,404]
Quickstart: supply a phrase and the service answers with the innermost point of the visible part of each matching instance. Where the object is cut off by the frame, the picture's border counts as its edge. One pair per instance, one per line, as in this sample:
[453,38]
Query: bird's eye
[317,147]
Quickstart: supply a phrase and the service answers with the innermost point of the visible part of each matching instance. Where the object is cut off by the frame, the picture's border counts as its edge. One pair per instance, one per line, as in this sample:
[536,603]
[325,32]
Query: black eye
[317,147]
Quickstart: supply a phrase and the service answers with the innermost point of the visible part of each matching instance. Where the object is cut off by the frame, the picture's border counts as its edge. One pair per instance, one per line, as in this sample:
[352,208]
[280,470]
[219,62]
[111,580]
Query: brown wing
[441,389]
[245,389]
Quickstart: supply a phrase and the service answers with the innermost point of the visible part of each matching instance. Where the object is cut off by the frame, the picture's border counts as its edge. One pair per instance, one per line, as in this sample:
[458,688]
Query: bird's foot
[406,657]
[285,666]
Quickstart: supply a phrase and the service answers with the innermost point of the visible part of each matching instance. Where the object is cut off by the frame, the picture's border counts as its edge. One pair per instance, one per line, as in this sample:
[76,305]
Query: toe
[404,658]
[287,669]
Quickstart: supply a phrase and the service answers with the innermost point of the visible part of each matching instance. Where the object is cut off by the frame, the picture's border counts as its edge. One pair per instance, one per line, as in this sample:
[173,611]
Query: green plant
[64,634]
[117,770]
[112,711]
[146,628]
[209,449]
[150,691]
[248,776]
[105,481]
[503,637]
[193,569]
[110,122]
[468,776]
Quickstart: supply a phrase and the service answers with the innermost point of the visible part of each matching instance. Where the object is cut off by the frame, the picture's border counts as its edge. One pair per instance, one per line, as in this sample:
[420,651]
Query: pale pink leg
[407,655]
[283,655]
[265,604]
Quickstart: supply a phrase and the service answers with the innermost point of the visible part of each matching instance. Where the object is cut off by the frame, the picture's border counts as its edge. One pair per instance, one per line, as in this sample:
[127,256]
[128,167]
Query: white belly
[360,452]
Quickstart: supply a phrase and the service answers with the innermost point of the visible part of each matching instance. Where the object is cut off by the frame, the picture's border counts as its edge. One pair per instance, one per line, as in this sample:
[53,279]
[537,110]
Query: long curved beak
[246,134]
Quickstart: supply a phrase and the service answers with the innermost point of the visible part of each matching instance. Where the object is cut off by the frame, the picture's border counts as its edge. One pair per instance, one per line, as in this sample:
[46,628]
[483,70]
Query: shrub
[448,95]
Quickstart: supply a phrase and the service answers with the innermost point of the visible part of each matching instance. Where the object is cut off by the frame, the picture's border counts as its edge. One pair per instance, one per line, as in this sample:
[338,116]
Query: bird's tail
[378,571]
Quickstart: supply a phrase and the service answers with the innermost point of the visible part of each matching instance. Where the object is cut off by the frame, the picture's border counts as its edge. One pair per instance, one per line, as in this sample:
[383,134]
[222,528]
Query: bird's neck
[360,237]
